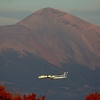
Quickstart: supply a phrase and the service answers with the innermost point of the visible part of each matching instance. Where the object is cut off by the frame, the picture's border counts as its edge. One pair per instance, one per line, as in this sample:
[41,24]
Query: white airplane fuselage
[55,76]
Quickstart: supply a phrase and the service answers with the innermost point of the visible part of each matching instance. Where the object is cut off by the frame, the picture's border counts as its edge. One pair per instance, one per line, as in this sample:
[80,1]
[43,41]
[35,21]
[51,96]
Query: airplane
[54,76]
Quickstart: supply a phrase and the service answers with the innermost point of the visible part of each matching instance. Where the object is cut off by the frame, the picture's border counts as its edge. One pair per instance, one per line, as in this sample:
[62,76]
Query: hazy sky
[12,11]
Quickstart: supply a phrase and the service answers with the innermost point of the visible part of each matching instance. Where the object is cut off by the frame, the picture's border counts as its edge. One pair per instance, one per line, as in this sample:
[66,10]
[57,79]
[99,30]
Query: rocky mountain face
[51,41]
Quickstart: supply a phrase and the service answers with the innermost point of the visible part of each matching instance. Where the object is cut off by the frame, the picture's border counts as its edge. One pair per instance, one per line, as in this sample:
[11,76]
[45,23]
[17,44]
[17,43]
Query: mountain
[51,41]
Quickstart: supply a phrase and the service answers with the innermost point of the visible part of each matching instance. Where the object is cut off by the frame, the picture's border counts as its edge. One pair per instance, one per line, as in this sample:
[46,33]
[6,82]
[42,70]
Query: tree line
[5,95]
[93,96]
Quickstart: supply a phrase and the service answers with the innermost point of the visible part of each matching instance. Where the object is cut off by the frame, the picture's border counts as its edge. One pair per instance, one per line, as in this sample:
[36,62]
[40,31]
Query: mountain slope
[56,36]
[65,36]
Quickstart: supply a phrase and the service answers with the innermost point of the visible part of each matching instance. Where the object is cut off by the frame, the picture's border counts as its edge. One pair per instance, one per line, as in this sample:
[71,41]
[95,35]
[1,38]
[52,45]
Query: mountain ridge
[52,29]
[55,22]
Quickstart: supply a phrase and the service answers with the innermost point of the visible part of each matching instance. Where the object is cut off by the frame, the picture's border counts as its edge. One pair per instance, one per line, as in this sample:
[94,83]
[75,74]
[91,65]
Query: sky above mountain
[12,11]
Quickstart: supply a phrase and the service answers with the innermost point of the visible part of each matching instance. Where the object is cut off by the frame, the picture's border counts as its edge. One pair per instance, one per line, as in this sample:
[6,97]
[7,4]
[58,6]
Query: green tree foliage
[5,95]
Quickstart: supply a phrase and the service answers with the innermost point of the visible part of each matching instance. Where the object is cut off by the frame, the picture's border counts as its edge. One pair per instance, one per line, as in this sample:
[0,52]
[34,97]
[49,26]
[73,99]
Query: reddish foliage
[43,97]
[17,97]
[4,95]
[93,96]
[33,97]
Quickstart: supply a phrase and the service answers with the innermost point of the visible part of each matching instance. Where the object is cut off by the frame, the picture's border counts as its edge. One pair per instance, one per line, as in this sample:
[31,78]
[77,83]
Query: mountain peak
[49,10]
[42,18]
[52,17]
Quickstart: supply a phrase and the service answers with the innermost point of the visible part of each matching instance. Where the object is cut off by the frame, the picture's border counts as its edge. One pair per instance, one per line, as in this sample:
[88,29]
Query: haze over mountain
[51,40]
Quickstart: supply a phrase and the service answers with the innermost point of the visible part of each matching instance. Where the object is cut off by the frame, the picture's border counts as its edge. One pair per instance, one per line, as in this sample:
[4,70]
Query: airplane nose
[39,76]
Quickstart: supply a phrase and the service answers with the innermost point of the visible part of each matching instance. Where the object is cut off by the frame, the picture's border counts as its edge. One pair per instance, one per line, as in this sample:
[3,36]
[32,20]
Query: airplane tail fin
[65,73]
